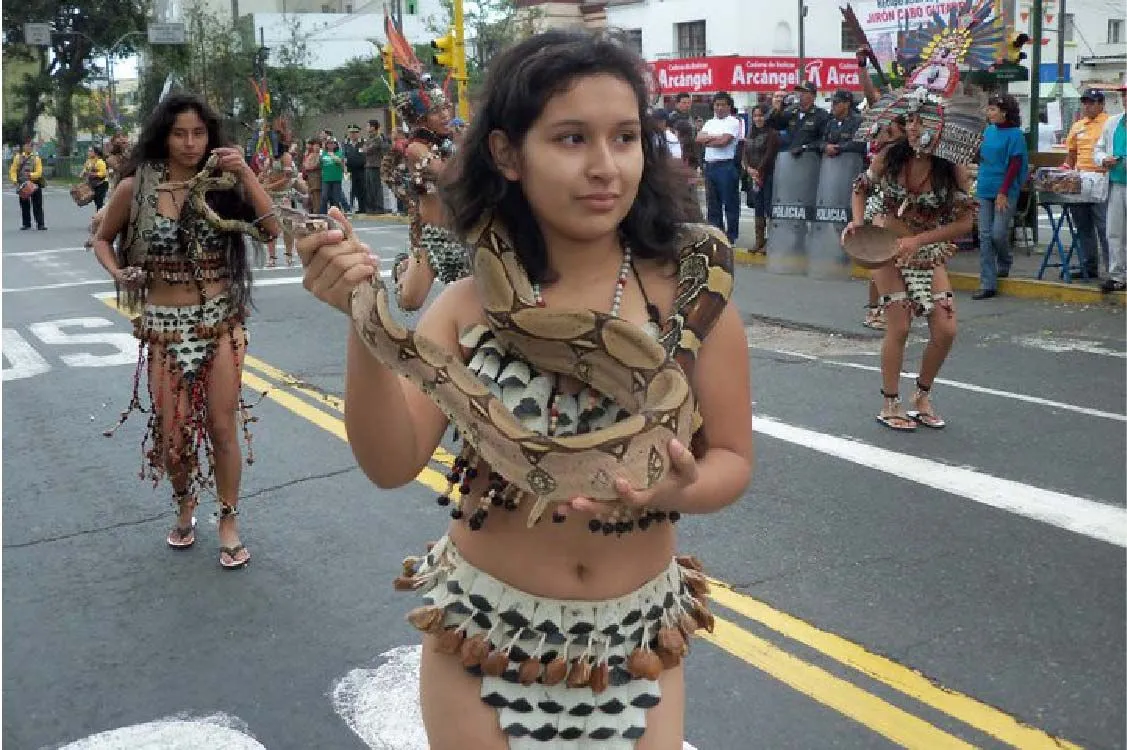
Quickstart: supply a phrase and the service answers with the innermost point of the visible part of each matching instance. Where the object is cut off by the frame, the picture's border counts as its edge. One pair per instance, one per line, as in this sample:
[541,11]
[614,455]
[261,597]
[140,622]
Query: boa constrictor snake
[206,181]
[607,353]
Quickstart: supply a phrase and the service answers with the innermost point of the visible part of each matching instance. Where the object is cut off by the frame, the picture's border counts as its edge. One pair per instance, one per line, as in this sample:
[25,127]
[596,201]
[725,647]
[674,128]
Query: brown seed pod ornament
[474,651]
[450,642]
[427,619]
[528,672]
[644,664]
[555,672]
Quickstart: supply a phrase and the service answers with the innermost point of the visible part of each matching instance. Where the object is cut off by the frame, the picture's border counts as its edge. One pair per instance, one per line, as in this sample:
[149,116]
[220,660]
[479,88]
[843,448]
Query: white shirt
[729,125]
[673,143]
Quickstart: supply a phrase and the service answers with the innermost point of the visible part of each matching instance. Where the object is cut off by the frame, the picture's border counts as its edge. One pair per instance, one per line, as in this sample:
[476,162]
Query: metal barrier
[792,206]
[824,256]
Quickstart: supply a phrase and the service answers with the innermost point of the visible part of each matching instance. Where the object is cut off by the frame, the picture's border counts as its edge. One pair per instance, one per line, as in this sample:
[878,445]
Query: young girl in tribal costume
[412,172]
[554,633]
[191,282]
[921,195]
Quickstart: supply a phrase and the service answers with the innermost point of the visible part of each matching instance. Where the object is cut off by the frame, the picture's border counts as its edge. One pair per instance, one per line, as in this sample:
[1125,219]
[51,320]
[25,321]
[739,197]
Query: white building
[335,38]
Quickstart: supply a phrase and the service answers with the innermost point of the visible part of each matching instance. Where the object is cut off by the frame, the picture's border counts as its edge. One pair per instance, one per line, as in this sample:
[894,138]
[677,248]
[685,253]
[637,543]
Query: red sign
[697,75]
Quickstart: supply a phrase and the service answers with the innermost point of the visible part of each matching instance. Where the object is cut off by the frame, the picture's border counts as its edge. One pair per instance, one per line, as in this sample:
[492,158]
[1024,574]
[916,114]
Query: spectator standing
[375,149]
[683,112]
[354,162]
[1003,163]
[759,165]
[27,169]
[311,172]
[96,174]
[720,137]
[1090,219]
[839,134]
[332,176]
[1111,154]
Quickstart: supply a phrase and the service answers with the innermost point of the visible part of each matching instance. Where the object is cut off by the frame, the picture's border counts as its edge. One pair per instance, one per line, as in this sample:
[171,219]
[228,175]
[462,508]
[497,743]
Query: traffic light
[444,54]
[388,58]
[1014,53]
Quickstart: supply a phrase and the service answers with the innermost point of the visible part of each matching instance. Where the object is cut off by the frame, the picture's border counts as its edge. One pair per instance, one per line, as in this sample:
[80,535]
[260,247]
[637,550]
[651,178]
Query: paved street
[943,589]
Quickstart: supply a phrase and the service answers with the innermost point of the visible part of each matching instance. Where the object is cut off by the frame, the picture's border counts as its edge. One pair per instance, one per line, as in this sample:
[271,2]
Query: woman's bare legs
[223,385]
[456,718]
[172,401]
[898,322]
[942,326]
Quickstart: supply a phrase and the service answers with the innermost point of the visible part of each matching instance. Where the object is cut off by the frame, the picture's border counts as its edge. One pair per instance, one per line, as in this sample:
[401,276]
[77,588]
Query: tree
[83,30]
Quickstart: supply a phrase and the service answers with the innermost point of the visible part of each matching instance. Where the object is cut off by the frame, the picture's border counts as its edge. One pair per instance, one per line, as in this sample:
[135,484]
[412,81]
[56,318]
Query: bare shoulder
[457,307]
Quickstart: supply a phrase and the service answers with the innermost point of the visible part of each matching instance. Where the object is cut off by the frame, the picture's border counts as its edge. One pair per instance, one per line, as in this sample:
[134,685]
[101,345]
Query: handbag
[27,189]
[82,193]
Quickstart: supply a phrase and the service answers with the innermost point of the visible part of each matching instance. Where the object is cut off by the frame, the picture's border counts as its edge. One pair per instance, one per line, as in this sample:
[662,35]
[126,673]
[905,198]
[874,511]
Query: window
[1069,22]
[348,9]
[325,8]
[633,39]
[411,7]
[1115,31]
[690,39]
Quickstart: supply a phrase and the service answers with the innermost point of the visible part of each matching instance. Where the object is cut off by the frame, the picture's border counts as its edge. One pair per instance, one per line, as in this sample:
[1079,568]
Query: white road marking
[60,285]
[960,385]
[174,733]
[1076,514]
[106,282]
[35,253]
[381,705]
[22,361]
[1063,345]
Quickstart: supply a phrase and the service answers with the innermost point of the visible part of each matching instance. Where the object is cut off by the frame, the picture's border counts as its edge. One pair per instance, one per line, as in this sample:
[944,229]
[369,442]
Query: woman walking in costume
[281,181]
[191,280]
[921,195]
[574,628]
[412,170]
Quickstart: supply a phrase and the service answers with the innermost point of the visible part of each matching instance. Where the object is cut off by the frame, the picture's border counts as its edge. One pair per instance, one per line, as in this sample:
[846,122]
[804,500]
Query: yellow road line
[974,713]
[879,715]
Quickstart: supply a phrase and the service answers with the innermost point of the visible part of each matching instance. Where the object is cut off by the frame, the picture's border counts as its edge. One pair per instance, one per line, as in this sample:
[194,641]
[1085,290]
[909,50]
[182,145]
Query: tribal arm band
[865,182]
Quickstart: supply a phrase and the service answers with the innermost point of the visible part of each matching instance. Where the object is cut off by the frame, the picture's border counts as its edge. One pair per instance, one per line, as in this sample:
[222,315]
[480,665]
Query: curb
[385,218]
[1051,291]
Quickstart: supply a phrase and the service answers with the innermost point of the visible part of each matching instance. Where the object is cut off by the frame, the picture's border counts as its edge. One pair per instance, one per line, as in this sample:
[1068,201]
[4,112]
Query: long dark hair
[944,181]
[152,146]
[521,81]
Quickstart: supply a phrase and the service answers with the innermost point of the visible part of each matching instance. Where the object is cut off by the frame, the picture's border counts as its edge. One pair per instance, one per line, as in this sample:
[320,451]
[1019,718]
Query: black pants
[359,191]
[100,194]
[373,187]
[32,204]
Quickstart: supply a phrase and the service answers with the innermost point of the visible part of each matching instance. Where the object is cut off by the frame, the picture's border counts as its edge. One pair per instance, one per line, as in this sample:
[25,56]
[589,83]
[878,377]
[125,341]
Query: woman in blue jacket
[1002,169]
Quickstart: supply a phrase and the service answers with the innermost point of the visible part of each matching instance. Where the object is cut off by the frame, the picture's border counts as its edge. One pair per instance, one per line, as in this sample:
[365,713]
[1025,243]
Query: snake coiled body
[206,181]
[649,378]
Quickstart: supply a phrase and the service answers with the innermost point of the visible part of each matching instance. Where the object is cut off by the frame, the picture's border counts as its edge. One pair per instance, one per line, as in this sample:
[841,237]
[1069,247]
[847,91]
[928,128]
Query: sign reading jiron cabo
[696,75]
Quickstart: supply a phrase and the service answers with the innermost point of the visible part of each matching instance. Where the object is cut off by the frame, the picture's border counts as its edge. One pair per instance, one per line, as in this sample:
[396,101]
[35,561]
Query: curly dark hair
[1008,104]
[521,81]
[943,178]
[152,146]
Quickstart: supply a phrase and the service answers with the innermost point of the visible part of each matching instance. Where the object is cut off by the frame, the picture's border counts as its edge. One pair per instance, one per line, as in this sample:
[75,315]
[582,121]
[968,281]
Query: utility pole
[461,76]
[1035,76]
[1062,18]
[801,40]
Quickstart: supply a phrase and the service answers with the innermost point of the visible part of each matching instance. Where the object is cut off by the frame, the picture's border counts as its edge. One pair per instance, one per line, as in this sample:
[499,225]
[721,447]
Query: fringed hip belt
[560,669]
[184,338]
[918,272]
[446,254]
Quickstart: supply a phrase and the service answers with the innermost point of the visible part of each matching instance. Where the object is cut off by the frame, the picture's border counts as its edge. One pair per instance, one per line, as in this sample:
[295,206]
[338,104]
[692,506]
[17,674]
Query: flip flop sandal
[927,419]
[232,552]
[896,422]
[176,538]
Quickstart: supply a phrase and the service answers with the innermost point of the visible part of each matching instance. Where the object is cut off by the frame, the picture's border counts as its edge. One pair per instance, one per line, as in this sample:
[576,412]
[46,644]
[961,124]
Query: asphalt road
[957,588]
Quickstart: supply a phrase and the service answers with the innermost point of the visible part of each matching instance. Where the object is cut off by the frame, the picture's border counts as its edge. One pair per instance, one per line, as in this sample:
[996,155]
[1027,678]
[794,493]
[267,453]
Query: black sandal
[183,537]
[895,421]
[926,418]
[230,511]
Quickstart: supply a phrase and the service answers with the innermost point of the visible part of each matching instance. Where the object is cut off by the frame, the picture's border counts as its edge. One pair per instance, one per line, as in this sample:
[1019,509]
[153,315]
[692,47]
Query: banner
[697,75]
[882,19]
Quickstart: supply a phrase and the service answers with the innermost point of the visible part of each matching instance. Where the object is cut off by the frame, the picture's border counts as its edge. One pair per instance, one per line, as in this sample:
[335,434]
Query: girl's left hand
[230,159]
[906,247]
[662,496]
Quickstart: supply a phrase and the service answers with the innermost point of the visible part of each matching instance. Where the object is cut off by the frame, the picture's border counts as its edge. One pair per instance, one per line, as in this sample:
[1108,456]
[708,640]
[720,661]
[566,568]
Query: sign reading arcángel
[753,74]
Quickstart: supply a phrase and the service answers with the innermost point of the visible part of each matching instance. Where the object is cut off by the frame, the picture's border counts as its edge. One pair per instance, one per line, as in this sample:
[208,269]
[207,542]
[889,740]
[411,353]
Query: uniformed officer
[804,123]
[840,131]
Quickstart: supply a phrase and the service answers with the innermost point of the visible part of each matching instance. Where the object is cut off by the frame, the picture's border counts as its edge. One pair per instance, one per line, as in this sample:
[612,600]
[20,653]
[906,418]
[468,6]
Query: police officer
[804,124]
[840,131]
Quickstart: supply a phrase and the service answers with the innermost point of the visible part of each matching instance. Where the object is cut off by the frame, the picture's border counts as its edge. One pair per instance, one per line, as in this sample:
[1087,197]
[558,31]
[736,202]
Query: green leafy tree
[83,32]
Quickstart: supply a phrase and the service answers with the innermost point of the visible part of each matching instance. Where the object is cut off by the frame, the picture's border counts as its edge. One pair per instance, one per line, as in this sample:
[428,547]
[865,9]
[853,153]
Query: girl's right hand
[336,263]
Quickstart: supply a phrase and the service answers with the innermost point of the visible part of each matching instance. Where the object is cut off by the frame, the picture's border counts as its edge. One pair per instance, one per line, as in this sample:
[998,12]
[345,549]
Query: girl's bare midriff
[164,294]
[567,560]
